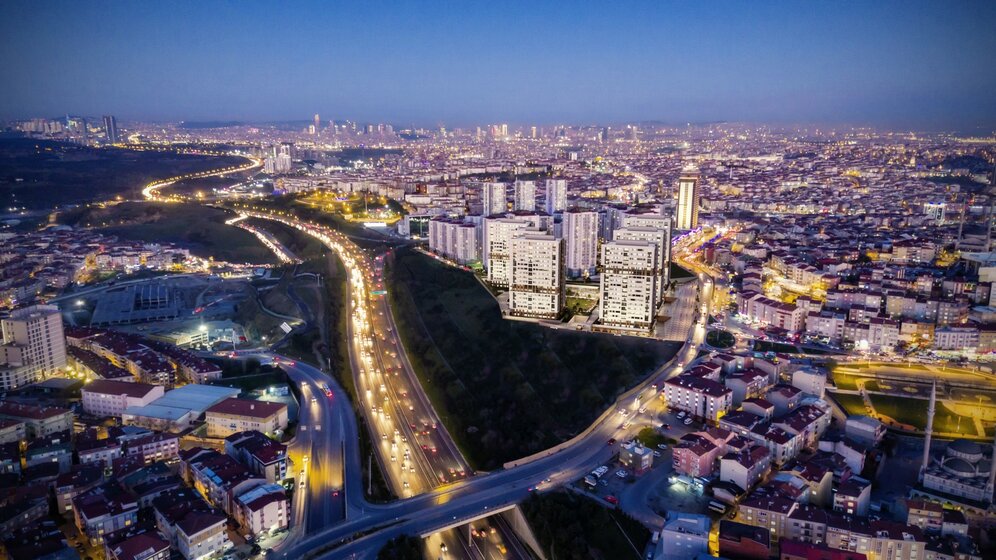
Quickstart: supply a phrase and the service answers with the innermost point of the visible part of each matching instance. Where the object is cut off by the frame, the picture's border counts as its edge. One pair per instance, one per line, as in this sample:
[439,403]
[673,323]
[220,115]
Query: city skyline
[903,65]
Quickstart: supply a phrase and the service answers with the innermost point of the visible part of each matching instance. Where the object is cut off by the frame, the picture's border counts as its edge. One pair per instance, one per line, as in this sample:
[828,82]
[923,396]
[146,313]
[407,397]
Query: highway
[413,449]
[456,503]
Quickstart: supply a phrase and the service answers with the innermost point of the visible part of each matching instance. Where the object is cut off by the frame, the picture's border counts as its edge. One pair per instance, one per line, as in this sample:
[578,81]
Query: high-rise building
[318,125]
[496,247]
[34,345]
[581,236]
[660,238]
[525,196]
[532,132]
[628,286]
[494,197]
[662,225]
[556,195]
[453,239]
[536,286]
[111,129]
[688,201]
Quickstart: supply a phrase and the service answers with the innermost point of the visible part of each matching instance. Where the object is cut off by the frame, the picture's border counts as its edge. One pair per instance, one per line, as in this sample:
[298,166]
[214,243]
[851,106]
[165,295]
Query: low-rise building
[684,536]
[104,509]
[111,398]
[239,415]
[745,468]
[39,421]
[703,398]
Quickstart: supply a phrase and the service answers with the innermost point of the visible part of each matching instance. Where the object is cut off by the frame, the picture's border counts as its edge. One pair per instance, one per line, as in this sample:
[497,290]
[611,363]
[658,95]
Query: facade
[684,536]
[104,509]
[454,239]
[537,286]
[33,343]
[745,468]
[493,197]
[581,242]
[263,509]
[240,415]
[656,229]
[111,398]
[498,233]
[556,195]
[965,470]
[636,457]
[687,211]
[524,196]
[39,421]
[260,454]
[703,398]
[628,285]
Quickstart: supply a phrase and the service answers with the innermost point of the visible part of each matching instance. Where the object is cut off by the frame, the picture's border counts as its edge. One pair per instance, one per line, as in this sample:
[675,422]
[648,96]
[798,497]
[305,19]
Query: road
[413,449]
[477,496]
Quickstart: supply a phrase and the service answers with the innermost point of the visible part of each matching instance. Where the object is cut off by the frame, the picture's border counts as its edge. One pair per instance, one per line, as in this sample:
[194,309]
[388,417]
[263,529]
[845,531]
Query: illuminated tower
[688,201]
[318,124]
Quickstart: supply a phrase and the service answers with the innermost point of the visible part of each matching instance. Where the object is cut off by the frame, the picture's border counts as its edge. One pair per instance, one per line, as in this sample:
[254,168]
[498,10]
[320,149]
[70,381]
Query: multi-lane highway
[412,439]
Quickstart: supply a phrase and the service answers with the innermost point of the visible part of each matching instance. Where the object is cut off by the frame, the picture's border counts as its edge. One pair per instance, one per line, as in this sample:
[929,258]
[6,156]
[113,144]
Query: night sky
[908,64]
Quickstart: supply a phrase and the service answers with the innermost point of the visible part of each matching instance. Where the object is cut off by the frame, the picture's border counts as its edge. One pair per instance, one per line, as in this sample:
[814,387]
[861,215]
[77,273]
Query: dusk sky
[902,64]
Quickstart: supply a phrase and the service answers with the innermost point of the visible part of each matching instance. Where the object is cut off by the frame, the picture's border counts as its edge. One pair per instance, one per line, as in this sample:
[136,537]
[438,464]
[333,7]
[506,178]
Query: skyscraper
[688,201]
[525,196]
[536,287]
[636,226]
[318,125]
[581,240]
[494,198]
[111,129]
[556,195]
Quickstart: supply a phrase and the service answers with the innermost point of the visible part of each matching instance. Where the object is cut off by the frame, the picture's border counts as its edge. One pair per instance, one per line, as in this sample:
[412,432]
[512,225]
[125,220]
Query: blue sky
[901,64]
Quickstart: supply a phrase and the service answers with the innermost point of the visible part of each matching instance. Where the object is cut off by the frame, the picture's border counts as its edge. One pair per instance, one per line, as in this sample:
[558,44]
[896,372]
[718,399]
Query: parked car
[612,500]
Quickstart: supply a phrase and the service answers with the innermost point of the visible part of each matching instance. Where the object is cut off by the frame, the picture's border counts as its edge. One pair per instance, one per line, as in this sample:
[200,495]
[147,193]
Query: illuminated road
[151,191]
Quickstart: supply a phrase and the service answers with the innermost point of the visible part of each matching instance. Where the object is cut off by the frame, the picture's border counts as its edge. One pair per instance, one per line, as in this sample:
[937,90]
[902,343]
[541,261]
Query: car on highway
[612,441]
[612,500]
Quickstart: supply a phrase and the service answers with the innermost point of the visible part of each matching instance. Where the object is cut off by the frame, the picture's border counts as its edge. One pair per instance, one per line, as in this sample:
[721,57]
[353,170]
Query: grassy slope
[506,389]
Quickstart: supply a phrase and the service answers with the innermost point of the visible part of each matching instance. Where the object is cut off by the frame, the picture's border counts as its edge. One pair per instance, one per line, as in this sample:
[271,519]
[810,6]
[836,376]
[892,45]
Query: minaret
[930,428]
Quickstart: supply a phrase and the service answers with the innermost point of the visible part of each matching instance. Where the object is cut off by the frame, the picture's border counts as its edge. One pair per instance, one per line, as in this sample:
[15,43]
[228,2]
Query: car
[688,421]
[621,473]
[662,446]
[612,500]
[657,453]
[335,493]
[612,441]
[680,415]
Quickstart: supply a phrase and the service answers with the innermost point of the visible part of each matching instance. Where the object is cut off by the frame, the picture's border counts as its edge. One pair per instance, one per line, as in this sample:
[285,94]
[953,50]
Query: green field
[506,389]
[914,412]
[202,229]
[852,404]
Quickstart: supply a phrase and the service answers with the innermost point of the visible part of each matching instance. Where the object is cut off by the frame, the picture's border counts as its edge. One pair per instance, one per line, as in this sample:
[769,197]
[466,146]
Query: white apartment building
[703,398]
[110,398]
[524,196]
[497,245]
[556,195]
[33,344]
[581,242]
[453,239]
[956,338]
[656,229]
[494,196]
[771,312]
[537,276]
[687,211]
[628,286]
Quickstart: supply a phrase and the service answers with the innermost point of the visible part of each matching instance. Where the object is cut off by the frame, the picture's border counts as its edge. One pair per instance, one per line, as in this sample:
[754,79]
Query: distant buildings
[111,129]
[454,239]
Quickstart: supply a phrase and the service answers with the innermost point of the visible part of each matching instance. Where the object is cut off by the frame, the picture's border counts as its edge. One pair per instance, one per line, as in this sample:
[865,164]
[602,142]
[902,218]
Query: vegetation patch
[720,339]
[506,389]
[202,229]
[574,527]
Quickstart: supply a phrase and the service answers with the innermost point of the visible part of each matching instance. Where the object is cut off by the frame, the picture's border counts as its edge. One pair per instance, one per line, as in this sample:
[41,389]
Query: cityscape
[659,281]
